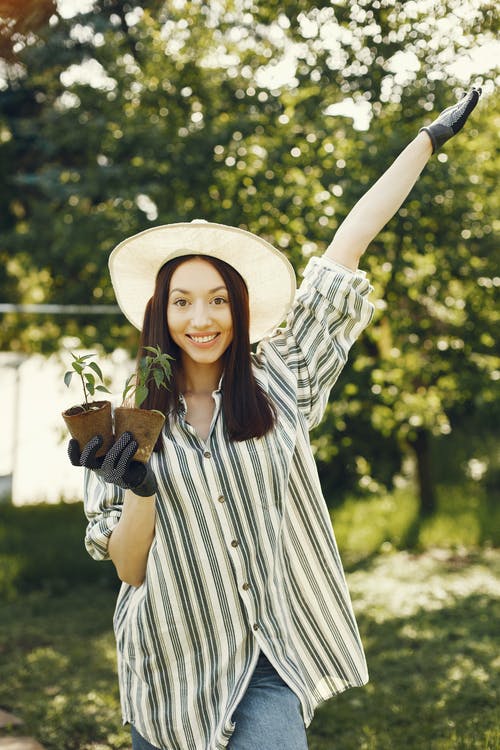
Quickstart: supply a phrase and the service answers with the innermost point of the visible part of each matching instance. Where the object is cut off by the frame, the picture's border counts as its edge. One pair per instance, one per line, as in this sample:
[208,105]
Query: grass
[428,618]
[429,623]
[467,516]
[58,671]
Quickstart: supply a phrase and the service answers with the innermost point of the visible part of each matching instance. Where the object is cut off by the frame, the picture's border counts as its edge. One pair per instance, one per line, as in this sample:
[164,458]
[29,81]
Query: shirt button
[245,586]
[221,499]
[234,543]
[255,626]
[207,454]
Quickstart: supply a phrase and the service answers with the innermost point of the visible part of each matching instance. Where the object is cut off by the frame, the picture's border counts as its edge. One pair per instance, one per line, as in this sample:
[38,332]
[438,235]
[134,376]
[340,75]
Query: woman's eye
[219,301]
[180,302]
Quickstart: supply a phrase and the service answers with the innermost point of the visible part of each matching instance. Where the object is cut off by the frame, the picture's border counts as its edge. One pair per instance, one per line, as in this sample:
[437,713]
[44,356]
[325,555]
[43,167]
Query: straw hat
[268,274]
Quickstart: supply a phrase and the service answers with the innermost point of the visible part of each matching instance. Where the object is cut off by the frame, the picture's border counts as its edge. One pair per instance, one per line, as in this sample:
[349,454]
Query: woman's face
[198,312]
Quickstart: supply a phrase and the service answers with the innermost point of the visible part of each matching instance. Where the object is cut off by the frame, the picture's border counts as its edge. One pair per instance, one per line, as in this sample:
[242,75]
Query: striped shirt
[244,557]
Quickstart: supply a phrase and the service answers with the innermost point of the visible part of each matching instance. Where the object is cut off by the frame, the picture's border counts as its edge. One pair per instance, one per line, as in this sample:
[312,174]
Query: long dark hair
[248,412]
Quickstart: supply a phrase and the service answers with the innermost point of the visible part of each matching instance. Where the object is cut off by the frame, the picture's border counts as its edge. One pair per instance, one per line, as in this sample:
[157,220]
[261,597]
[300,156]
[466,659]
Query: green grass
[429,623]
[41,547]
[428,618]
[467,516]
[58,671]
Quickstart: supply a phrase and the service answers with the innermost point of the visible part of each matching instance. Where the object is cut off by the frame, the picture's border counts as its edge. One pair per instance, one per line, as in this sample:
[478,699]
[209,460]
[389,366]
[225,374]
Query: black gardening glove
[451,120]
[87,457]
[117,466]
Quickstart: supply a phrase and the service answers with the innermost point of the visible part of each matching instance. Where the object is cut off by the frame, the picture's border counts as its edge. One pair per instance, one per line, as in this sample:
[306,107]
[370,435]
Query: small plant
[154,368]
[90,380]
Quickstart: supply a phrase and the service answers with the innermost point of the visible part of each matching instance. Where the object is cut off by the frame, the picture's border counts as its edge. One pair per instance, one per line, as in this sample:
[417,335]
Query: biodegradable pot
[84,424]
[144,424]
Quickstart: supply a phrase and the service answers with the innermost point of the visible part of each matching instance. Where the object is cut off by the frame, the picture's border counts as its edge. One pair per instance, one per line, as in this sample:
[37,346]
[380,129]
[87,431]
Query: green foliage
[88,379]
[18,20]
[42,549]
[175,120]
[154,369]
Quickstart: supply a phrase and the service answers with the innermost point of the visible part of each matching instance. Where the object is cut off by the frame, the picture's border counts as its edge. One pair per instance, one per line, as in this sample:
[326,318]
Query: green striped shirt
[244,556]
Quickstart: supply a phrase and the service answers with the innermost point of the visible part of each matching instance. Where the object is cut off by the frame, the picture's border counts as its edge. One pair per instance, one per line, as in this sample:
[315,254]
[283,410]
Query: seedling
[91,381]
[153,369]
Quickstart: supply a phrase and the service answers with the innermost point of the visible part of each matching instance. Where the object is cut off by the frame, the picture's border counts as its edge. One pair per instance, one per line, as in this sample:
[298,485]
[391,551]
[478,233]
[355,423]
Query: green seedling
[153,369]
[91,381]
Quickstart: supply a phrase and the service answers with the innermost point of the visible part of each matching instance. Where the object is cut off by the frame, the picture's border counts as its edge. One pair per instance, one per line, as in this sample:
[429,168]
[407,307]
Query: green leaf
[158,378]
[95,367]
[128,387]
[67,377]
[141,395]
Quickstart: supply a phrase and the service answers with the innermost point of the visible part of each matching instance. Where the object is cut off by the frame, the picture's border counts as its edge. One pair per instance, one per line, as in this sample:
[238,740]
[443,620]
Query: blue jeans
[268,716]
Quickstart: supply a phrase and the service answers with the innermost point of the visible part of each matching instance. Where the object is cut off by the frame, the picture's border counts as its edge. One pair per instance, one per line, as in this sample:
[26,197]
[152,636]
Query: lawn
[429,622]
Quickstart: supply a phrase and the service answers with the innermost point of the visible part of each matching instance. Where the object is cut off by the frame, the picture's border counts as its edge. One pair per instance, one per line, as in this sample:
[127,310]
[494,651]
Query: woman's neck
[198,379]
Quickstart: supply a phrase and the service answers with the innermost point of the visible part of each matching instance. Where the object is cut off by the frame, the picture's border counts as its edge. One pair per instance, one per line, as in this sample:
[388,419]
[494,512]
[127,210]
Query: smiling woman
[234,621]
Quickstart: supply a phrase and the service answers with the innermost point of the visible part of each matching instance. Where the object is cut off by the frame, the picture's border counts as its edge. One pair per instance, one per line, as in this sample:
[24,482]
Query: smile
[203,339]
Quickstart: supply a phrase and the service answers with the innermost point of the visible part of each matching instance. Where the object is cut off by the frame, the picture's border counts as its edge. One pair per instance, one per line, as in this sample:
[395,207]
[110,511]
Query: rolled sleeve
[330,311]
[103,503]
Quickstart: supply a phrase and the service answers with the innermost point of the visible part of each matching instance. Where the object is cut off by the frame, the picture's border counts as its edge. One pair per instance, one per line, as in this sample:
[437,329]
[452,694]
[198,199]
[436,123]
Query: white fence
[33,463]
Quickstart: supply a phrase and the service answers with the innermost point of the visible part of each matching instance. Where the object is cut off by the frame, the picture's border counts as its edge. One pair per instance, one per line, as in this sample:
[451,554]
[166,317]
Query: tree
[122,117]
[20,20]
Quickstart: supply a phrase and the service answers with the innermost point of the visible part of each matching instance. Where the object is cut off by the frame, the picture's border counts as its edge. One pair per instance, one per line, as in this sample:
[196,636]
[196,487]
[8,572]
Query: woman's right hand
[452,119]
[117,466]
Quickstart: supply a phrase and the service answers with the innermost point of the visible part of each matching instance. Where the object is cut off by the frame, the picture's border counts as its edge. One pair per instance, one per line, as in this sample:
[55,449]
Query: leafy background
[128,114]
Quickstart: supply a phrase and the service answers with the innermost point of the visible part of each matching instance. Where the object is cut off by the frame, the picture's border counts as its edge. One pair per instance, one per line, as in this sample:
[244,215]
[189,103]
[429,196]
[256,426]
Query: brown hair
[248,412]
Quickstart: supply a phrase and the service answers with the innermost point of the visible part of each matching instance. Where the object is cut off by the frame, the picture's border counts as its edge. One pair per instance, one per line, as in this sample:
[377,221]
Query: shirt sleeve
[330,310]
[103,503]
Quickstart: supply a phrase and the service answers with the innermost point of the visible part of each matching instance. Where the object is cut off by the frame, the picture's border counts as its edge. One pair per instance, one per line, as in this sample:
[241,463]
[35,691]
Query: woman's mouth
[202,340]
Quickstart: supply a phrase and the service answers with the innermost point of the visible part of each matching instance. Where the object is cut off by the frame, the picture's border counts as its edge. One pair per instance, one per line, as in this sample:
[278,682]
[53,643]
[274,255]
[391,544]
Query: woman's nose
[201,315]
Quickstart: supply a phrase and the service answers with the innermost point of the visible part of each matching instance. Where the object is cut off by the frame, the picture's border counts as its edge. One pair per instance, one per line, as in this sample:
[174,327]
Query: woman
[234,620]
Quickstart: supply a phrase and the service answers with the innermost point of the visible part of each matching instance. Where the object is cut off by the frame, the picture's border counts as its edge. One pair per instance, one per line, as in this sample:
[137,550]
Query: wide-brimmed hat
[268,274]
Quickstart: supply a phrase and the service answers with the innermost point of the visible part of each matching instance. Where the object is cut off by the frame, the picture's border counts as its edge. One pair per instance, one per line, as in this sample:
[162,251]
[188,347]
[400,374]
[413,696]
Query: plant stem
[84,392]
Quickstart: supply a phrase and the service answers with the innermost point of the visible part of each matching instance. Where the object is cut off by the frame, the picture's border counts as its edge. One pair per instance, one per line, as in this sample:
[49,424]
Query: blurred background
[274,116]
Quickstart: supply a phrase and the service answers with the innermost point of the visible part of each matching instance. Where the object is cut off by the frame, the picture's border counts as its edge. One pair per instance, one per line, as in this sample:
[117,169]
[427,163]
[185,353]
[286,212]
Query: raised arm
[377,206]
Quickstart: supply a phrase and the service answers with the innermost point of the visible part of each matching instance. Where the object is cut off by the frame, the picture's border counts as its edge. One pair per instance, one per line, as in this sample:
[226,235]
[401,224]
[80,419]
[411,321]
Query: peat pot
[144,424]
[83,424]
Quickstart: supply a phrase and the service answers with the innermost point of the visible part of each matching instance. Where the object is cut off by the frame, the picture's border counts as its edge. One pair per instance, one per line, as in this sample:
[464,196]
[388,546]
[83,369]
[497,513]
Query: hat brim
[268,274]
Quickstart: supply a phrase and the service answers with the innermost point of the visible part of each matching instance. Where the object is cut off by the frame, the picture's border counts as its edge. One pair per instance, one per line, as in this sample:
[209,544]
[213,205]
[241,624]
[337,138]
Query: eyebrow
[210,291]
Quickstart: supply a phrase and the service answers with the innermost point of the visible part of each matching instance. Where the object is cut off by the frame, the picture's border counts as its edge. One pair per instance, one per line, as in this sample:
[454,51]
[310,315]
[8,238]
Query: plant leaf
[141,395]
[127,387]
[95,367]
[67,377]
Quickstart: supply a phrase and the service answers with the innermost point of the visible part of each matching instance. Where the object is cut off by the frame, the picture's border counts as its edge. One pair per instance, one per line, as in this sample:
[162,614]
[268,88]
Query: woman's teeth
[203,339]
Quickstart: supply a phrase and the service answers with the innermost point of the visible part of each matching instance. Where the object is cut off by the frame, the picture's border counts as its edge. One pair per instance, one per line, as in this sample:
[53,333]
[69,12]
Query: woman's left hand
[117,466]
[452,119]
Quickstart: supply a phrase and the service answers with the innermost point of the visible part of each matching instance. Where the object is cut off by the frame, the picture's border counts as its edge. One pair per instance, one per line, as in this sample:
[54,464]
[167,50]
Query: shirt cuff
[314,275]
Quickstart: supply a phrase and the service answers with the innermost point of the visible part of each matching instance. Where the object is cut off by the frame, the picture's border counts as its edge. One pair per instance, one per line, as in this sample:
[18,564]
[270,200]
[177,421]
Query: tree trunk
[427,494]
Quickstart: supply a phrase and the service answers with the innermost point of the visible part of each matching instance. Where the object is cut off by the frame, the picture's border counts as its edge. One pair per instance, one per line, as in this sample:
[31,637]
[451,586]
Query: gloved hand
[117,466]
[452,119]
